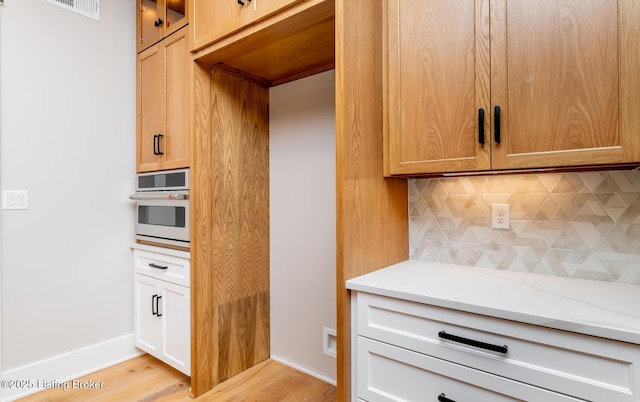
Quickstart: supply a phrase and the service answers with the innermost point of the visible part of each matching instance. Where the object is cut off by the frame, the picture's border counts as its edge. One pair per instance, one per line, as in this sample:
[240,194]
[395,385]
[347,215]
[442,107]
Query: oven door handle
[169,196]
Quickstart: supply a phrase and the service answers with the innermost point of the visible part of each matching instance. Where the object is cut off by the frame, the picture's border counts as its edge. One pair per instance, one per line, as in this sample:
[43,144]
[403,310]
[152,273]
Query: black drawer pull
[443,398]
[152,265]
[471,342]
[481,126]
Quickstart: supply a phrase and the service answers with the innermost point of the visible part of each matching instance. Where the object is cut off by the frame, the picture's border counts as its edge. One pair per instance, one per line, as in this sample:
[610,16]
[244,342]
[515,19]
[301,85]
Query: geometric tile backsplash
[578,225]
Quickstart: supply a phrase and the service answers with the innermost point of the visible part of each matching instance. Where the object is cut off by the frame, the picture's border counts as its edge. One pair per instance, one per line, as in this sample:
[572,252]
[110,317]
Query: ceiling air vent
[88,8]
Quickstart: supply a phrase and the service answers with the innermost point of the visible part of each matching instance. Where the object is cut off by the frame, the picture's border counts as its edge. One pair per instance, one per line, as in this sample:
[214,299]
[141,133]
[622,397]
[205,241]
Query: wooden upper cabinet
[215,19]
[563,74]
[158,19]
[437,79]
[163,104]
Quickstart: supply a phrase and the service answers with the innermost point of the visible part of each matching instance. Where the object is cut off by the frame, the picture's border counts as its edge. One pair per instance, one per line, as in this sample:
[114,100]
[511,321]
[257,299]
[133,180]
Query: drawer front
[389,373]
[164,267]
[573,364]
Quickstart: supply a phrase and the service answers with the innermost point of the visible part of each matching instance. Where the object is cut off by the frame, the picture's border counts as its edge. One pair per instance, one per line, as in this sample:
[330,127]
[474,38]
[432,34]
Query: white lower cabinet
[409,351]
[162,314]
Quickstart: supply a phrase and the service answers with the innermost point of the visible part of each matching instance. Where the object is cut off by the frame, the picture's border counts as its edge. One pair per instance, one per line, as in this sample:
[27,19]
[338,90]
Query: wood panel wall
[230,226]
[372,216]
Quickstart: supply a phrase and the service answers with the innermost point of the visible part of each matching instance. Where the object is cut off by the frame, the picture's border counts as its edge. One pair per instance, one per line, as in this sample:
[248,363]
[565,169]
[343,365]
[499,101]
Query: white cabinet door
[162,321]
[175,326]
[147,324]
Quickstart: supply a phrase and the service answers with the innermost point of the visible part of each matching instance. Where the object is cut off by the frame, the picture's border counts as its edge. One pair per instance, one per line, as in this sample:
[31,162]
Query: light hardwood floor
[146,379]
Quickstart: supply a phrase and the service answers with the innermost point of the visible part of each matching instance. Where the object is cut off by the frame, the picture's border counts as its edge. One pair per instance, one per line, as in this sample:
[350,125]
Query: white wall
[303,234]
[67,135]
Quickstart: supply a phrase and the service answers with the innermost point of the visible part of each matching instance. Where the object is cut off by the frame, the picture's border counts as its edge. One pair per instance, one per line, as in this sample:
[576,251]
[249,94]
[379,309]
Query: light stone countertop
[603,309]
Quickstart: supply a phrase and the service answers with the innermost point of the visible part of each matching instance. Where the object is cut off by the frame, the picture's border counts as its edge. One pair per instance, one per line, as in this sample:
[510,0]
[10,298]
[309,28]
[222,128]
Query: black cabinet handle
[158,22]
[158,306]
[152,265]
[159,139]
[154,305]
[443,398]
[481,126]
[156,144]
[471,342]
[496,122]
[241,2]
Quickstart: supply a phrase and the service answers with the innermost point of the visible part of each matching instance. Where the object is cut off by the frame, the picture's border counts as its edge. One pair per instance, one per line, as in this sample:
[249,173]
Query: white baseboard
[304,370]
[58,371]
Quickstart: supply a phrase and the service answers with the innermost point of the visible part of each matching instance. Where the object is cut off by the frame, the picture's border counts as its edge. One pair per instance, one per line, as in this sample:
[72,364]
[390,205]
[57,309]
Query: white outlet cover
[500,216]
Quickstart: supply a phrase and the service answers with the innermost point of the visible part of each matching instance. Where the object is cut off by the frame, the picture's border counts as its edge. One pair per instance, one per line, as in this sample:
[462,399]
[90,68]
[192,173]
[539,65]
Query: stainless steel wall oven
[162,207]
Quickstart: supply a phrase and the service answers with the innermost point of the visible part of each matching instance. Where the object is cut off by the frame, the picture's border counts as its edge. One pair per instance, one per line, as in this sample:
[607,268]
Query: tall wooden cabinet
[491,85]
[163,90]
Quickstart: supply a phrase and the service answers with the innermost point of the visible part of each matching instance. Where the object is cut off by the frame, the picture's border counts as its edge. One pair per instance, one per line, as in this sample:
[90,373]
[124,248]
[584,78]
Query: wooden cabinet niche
[163,104]
[158,19]
[561,91]
[214,19]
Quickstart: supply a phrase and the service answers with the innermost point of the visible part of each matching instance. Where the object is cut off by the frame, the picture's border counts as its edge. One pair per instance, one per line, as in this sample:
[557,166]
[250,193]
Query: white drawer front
[164,267]
[573,364]
[389,373]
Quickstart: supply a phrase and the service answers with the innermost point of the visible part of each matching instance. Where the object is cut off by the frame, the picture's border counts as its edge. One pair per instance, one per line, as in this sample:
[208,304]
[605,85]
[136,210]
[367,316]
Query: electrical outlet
[500,216]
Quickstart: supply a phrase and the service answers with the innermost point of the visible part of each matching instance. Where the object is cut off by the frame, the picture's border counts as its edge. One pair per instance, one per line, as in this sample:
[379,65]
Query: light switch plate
[12,199]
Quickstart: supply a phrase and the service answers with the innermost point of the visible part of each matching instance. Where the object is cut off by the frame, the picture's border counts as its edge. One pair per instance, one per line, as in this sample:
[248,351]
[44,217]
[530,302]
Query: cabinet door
[565,76]
[259,9]
[147,324]
[175,143]
[437,72]
[149,28]
[175,12]
[163,105]
[151,107]
[158,19]
[174,312]
[214,19]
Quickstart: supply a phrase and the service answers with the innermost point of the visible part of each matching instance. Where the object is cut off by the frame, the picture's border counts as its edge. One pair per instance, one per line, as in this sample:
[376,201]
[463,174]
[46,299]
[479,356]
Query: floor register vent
[88,8]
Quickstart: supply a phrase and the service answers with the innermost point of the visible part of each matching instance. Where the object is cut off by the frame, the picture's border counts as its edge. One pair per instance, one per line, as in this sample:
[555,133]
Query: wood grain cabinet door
[150,99]
[259,9]
[565,76]
[214,19]
[437,78]
[163,105]
[175,144]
